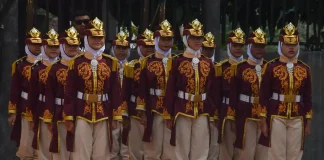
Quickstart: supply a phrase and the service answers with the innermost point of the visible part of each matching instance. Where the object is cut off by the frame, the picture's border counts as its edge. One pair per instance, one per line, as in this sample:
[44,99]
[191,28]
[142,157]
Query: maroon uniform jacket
[185,82]
[83,87]
[36,98]
[55,87]
[277,81]
[153,79]
[244,97]
[223,79]
[18,104]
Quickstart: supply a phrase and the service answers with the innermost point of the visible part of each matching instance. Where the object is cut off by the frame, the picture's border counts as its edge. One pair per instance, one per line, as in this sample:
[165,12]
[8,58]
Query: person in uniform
[189,81]
[120,50]
[131,87]
[55,87]
[286,100]
[18,109]
[153,80]
[36,96]
[208,51]
[235,45]
[244,97]
[92,100]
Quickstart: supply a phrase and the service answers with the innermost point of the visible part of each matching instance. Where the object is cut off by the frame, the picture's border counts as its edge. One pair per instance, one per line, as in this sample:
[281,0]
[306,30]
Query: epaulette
[218,68]
[266,65]
[133,62]
[71,63]
[304,63]
[14,64]
[234,67]
[129,68]
[174,55]
[144,60]
[114,61]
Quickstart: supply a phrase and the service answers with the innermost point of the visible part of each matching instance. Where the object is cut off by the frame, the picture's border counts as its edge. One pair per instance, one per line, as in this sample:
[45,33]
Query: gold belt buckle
[290,98]
[91,97]
[255,100]
[197,98]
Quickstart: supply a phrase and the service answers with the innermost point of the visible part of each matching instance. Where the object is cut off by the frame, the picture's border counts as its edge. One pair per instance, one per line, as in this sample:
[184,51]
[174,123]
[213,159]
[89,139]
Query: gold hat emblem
[289,29]
[196,25]
[72,33]
[259,33]
[52,34]
[165,25]
[34,33]
[121,36]
[239,33]
[209,37]
[97,23]
[148,34]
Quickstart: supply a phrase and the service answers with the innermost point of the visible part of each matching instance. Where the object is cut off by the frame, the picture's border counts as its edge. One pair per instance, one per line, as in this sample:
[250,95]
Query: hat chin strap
[95,53]
[38,57]
[258,61]
[281,54]
[229,53]
[157,48]
[188,49]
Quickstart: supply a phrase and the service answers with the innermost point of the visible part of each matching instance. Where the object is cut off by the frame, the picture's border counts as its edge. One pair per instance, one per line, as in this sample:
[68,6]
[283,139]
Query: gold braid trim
[71,62]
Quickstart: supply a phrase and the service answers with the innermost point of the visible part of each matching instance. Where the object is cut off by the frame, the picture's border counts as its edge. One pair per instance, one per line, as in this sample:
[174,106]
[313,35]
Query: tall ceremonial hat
[257,37]
[51,38]
[33,37]
[164,30]
[95,28]
[289,34]
[236,36]
[209,41]
[70,37]
[121,39]
[146,39]
[193,29]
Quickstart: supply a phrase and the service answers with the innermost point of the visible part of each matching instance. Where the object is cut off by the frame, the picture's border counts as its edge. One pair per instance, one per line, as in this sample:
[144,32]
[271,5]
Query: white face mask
[87,48]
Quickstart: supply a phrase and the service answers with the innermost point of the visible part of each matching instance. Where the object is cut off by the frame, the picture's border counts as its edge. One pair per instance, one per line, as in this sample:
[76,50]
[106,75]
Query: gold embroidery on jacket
[42,76]
[61,75]
[227,74]
[137,74]
[100,108]
[47,114]
[84,70]
[26,72]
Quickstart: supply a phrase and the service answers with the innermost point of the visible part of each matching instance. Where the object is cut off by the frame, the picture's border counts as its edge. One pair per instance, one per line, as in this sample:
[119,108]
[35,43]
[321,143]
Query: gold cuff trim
[48,120]
[117,117]
[211,119]
[309,116]
[262,114]
[231,117]
[140,107]
[216,117]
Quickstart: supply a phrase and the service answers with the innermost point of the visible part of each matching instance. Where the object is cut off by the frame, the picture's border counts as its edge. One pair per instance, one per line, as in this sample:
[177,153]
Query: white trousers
[63,154]
[25,150]
[135,142]
[45,137]
[159,148]
[192,138]
[251,149]
[286,139]
[214,146]
[226,148]
[119,150]
[91,141]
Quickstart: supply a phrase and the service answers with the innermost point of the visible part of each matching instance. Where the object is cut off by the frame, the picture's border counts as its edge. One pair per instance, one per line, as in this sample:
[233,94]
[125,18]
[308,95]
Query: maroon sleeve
[15,91]
[115,92]
[33,93]
[307,96]
[211,94]
[218,90]
[265,90]
[234,89]
[171,89]
[143,91]
[70,93]
[50,93]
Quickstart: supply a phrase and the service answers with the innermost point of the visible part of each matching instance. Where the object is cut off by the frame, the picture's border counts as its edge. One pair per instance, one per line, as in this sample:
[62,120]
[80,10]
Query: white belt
[157,92]
[59,101]
[92,97]
[226,100]
[41,98]
[191,97]
[24,95]
[249,99]
[286,98]
[133,98]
